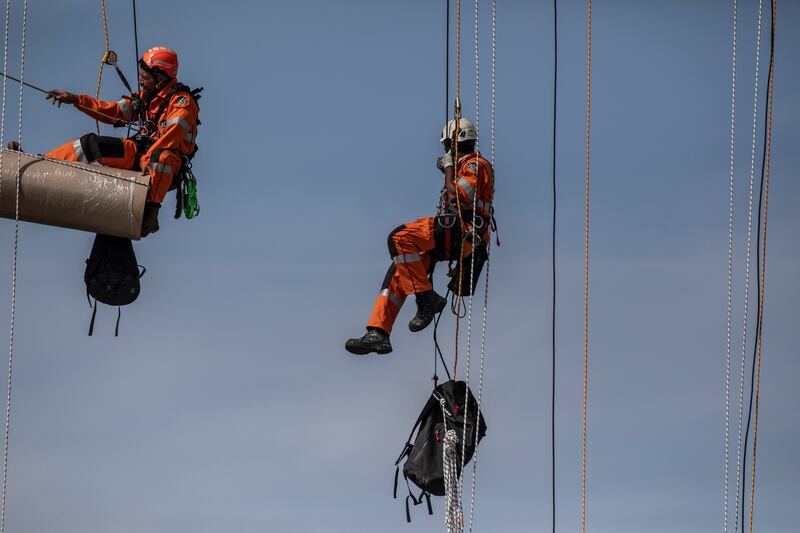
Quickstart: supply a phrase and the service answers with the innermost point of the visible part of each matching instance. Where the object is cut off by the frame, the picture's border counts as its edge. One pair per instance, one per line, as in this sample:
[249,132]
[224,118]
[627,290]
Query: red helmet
[163,59]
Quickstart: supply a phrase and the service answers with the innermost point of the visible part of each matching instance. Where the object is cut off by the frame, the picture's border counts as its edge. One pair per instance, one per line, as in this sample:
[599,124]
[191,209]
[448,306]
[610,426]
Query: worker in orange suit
[167,113]
[416,246]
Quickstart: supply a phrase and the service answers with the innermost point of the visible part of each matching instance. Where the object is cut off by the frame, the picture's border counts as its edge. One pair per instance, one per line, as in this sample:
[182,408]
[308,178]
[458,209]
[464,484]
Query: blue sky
[228,401]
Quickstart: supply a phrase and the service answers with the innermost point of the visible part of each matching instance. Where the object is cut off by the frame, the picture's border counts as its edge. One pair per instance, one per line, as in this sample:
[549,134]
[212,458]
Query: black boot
[375,340]
[428,305]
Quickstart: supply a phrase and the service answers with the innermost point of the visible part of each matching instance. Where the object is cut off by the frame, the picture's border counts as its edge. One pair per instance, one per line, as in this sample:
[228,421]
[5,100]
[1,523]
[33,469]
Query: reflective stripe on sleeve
[180,121]
[464,184]
[125,108]
[395,299]
[406,258]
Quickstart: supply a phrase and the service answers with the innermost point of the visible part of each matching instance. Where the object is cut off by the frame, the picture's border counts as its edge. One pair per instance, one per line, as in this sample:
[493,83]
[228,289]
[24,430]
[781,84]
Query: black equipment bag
[423,459]
[112,274]
[464,267]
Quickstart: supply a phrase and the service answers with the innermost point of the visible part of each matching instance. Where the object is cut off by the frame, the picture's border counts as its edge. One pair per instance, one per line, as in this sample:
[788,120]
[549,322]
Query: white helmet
[466,132]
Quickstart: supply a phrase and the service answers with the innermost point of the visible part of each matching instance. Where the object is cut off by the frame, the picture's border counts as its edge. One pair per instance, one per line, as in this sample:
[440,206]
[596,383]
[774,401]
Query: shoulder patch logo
[472,166]
[181,101]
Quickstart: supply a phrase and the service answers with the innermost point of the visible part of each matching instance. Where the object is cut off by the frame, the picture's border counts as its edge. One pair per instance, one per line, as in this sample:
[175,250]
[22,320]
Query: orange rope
[457,118]
[100,70]
[763,270]
[586,257]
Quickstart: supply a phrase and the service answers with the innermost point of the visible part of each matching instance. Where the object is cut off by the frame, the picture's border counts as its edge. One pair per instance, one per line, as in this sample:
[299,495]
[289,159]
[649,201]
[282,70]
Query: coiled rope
[14,257]
[453,512]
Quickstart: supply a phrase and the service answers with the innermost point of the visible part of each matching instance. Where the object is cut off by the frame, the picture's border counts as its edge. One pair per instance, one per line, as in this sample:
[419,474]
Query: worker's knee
[391,241]
[97,146]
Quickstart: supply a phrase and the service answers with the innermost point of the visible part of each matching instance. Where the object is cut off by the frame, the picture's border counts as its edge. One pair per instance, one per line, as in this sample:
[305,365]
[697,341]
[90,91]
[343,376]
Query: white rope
[5,86]
[730,280]
[739,466]
[486,281]
[14,269]
[464,439]
[453,513]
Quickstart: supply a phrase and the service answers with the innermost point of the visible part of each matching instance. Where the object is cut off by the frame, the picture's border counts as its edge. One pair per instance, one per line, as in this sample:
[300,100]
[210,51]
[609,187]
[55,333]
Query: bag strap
[94,314]
[119,314]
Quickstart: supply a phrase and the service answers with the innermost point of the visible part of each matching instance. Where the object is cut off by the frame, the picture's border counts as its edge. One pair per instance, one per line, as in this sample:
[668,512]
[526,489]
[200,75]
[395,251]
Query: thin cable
[553,257]
[763,258]
[102,61]
[13,278]
[586,271]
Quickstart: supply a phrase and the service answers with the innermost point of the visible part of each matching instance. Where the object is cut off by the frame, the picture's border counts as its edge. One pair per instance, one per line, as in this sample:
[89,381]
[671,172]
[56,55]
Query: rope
[763,259]
[5,87]
[586,270]
[486,285]
[457,119]
[746,313]
[453,513]
[553,257]
[13,269]
[136,42]
[730,281]
[447,64]
[102,60]
[476,17]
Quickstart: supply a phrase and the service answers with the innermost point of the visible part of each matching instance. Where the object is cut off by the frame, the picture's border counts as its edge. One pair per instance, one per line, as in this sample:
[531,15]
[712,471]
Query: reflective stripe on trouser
[388,303]
[161,174]
[108,151]
[410,247]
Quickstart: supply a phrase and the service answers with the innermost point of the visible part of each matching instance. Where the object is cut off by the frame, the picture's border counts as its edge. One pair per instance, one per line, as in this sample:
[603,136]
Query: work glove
[150,218]
[445,161]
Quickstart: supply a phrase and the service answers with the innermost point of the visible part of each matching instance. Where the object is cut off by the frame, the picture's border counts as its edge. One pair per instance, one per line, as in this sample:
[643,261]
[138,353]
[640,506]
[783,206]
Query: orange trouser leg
[108,151]
[410,246]
[388,303]
[163,166]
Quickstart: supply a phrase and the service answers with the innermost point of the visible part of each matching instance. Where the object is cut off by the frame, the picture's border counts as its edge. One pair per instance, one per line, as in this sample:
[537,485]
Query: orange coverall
[173,135]
[412,246]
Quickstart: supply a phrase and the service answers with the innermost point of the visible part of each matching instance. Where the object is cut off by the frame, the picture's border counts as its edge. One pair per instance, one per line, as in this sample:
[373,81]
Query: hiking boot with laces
[374,340]
[429,304]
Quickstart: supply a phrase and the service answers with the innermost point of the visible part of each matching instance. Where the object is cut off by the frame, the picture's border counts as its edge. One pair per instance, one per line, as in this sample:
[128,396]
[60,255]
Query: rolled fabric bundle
[79,196]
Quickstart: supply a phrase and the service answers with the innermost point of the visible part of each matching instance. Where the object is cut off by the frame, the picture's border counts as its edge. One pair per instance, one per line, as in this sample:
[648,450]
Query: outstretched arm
[107,112]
